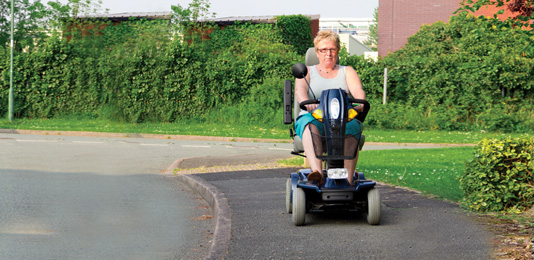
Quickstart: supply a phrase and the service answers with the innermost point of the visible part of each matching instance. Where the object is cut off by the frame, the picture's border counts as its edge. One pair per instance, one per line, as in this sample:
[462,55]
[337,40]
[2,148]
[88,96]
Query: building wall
[400,19]
[357,27]
[354,47]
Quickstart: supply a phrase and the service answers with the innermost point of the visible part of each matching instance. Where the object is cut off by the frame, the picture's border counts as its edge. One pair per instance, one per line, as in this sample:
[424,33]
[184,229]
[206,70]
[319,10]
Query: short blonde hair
[327,35]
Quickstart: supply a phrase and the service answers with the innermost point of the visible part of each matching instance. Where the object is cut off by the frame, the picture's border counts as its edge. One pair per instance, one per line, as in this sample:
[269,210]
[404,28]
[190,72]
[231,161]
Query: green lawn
[192,127]
[431,171]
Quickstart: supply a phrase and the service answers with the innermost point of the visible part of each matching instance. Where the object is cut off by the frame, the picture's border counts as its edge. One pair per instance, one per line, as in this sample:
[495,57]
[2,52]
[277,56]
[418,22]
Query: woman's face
[327,52]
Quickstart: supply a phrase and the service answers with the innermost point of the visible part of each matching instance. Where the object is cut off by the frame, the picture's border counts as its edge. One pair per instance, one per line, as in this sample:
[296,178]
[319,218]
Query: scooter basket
[334,148]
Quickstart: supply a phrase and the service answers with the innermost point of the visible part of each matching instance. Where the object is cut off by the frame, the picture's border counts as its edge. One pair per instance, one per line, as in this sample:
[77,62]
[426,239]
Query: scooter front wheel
[374,210]
[299,207]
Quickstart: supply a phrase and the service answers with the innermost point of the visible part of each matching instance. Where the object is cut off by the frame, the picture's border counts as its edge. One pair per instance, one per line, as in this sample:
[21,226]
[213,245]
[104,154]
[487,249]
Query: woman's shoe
[315,176]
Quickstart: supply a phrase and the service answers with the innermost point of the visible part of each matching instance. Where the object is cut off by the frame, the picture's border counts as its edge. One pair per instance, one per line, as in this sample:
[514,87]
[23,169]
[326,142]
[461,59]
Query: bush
[134,72]
[500,177]
[468,74]
[448,77]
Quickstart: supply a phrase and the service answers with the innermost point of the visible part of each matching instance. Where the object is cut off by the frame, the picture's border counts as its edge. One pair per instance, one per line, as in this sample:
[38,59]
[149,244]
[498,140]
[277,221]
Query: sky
[225,8]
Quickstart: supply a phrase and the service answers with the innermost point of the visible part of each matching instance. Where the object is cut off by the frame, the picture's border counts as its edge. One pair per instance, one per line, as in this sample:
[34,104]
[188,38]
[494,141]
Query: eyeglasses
[325,50]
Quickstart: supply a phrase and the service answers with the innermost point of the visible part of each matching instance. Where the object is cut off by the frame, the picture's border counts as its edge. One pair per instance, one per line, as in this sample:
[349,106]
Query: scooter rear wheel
[289,205]
[299,207]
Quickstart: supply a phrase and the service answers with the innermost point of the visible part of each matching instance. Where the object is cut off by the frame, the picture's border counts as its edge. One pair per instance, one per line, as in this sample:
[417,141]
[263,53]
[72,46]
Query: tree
[524,9]
[188,21]
[372,41]
[29,18]
[34,21]
[85,7]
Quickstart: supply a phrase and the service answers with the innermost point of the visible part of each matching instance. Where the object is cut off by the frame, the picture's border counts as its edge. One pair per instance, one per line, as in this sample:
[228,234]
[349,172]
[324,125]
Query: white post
[385,85]
[11,96]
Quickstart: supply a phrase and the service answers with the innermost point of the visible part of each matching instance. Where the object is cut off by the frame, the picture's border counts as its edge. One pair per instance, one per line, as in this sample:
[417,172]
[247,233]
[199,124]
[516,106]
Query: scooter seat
[297,145]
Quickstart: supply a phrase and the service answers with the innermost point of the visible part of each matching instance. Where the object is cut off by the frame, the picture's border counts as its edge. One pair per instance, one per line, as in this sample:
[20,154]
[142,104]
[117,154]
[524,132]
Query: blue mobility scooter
[336,193]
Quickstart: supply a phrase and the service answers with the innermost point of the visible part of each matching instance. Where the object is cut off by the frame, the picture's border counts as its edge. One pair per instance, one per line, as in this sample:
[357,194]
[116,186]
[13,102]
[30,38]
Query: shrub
[500,176]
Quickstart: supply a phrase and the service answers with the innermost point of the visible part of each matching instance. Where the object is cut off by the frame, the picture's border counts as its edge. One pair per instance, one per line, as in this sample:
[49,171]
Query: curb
[196,137]
[222,213]
[153,136]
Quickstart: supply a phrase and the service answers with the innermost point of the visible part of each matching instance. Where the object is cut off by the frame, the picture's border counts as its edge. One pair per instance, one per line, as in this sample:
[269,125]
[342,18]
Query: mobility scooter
[335,193]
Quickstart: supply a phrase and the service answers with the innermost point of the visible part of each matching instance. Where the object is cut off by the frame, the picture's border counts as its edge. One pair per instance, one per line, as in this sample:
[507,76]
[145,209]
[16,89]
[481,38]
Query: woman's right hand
[311,107]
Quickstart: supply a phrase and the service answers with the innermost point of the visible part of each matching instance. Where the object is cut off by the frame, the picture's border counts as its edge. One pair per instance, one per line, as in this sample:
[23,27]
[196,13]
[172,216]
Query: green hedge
[450,76]
[500,177]
[146,76]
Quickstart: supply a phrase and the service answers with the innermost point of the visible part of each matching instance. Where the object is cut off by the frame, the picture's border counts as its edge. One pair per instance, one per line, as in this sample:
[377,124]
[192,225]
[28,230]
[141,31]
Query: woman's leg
[351,146]
[351,166]
[309,149]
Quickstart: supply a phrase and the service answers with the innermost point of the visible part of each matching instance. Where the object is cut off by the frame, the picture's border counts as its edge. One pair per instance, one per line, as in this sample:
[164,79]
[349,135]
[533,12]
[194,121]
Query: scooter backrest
[312,59]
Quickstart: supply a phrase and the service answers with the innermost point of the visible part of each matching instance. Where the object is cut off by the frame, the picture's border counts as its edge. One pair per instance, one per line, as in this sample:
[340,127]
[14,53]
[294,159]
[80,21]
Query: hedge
[450,76]
[500,177]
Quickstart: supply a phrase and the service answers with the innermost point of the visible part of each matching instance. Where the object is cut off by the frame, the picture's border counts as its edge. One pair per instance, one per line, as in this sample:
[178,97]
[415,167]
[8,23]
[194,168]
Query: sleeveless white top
[318,83]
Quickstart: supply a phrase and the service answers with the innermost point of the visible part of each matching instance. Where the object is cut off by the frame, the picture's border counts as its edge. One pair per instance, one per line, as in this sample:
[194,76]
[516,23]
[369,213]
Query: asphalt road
[64,197]
[412,227]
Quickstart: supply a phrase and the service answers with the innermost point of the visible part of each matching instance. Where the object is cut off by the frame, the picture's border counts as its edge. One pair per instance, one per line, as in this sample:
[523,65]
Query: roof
[127,16]
[251,19]
[168,15]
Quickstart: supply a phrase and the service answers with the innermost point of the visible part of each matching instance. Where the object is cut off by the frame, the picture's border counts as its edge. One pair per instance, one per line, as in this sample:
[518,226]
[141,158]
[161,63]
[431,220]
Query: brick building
[400,19]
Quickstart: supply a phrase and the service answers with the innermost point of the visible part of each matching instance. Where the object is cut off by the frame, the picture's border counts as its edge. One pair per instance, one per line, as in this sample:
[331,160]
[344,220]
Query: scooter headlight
[318,114]
[352,114]
[339,173]
[335,108]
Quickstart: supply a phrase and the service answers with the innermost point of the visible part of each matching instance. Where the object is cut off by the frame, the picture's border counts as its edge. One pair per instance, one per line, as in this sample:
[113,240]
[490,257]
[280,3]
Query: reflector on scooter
[352,114]
[318,114]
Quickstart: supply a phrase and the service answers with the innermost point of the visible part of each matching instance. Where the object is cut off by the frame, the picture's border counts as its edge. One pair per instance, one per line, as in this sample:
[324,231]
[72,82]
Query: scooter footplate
[337,195]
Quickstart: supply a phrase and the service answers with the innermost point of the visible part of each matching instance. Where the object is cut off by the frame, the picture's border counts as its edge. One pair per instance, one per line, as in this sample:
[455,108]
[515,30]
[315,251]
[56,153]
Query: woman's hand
[311,107]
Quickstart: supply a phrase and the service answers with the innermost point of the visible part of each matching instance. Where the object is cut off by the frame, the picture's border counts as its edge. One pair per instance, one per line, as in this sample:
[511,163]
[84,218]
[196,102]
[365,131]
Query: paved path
[413,227]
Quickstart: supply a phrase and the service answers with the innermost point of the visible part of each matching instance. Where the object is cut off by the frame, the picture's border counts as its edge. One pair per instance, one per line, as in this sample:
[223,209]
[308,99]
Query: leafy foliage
[136,72]
[372,41]
[468,74]
[296,32]
[29,20]
[523,10]
[34,20]
[500,176]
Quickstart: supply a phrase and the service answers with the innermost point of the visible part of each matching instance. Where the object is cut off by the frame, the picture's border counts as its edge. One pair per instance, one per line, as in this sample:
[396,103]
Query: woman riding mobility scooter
[335,192]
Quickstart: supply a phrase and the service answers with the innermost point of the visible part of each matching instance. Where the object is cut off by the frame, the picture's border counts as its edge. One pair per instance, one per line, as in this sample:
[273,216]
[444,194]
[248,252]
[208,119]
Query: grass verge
[195,127]
[431,171]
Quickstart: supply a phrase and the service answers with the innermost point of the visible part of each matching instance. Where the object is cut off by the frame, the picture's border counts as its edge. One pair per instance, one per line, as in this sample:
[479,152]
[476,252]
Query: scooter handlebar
[307,102]
[366,106]
[361,116]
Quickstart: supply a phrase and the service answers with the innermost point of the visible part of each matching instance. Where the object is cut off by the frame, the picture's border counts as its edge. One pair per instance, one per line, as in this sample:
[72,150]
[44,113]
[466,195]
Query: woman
[326,75]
